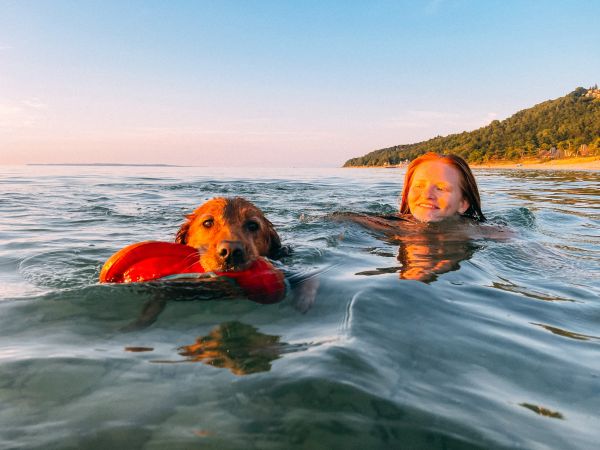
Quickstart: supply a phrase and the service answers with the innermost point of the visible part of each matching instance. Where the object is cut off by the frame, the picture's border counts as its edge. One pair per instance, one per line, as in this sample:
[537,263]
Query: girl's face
[434,193]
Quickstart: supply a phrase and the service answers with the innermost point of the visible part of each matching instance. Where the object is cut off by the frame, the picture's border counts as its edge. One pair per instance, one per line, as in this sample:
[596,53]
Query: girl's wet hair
[468,185]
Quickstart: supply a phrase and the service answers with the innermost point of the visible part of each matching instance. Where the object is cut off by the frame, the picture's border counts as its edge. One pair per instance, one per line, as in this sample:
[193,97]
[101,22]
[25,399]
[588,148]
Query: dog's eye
[252,225]
[208,223]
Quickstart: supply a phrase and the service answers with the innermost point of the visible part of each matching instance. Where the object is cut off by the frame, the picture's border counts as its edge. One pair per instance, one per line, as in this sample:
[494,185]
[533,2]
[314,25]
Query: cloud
[34,103]
[21,114]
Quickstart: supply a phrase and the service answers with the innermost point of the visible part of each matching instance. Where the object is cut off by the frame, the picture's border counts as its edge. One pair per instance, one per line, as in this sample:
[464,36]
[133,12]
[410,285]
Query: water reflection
[509,286]
[560,188]
[542,411]
[566,333]
[425,258]
[236,346]
[239,347]
[139,349]
[424,250]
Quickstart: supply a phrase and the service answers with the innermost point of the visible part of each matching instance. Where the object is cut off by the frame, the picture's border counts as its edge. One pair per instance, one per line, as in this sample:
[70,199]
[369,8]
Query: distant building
[554,153]
[551,153]
[593,92]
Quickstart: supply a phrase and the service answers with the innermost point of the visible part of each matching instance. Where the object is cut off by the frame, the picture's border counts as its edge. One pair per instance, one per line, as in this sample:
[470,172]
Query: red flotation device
[153,260]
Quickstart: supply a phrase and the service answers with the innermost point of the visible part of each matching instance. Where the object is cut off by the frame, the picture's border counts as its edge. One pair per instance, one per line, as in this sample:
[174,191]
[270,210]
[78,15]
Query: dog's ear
[275,249]
[182,235]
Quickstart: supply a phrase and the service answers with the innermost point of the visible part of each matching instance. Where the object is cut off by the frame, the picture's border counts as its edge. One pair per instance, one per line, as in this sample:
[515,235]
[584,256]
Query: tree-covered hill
[565,127]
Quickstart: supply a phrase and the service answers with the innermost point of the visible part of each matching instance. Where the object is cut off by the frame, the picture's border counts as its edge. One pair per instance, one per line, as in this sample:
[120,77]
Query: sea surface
[477,342]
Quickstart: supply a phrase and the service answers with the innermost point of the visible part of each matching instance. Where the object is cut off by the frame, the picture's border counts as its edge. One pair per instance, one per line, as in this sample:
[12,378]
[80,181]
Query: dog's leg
[150,312]
[305,294]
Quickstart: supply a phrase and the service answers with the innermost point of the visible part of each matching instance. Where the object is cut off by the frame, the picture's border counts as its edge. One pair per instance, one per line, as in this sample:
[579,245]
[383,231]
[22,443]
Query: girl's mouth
[427,206]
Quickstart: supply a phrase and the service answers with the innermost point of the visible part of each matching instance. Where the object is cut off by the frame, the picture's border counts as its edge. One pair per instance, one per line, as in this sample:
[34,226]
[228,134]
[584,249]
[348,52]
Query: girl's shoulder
[403,226]
[494,232]
[387,223]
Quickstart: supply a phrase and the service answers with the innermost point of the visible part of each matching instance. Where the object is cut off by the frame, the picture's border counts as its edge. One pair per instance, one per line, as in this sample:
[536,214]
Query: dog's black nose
[232,253]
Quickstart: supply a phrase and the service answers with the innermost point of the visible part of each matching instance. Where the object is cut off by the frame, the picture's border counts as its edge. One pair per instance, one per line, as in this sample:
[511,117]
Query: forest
[565,127]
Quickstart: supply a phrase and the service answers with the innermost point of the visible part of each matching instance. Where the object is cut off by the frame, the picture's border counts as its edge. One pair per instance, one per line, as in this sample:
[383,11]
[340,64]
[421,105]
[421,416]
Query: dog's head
[230,234]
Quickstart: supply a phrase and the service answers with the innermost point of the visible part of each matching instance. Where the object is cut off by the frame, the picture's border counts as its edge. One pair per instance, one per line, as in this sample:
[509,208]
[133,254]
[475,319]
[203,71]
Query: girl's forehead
[436,171]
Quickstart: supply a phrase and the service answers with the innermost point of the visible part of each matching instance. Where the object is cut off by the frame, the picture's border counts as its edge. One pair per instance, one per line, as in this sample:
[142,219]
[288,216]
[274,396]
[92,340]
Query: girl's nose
[430,191]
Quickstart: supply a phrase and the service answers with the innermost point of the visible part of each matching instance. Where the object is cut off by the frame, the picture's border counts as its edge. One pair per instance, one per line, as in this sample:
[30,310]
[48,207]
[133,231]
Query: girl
[440,187]
[438,191]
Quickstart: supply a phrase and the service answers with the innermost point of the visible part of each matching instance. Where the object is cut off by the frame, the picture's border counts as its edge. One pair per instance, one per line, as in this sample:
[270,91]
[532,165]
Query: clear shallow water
[500,351]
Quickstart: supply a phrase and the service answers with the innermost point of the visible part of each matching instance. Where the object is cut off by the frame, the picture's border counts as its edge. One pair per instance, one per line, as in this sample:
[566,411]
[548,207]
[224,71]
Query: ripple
[542,411]
[565,333]
[507,336]
[60,269]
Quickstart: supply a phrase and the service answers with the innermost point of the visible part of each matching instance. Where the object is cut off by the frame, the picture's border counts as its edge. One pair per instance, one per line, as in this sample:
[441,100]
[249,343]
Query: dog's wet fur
[230,234]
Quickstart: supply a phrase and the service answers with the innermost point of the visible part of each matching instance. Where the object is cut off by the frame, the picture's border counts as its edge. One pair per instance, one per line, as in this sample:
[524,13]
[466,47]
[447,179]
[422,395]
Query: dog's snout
[232,252]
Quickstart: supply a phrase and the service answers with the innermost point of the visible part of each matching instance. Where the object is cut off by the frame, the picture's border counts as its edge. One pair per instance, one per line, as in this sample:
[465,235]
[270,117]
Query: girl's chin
[430,216]
[430,219]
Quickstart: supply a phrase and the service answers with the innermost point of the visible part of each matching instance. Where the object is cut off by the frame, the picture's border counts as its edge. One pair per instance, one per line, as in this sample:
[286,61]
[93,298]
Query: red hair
[468,185]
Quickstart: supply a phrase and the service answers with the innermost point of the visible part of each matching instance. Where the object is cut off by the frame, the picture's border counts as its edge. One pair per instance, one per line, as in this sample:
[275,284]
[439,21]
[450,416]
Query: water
[498,350]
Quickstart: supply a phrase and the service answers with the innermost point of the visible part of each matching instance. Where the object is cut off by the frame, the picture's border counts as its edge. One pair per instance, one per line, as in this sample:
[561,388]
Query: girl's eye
[208,223]
[252,226]
[442,188]
[418,185]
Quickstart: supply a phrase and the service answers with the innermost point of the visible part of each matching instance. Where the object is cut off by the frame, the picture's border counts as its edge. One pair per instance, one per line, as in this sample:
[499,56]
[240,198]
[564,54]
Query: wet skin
[435,194]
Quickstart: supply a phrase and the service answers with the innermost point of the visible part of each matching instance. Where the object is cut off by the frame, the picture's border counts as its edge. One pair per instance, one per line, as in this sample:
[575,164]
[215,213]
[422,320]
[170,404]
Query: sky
[275,83]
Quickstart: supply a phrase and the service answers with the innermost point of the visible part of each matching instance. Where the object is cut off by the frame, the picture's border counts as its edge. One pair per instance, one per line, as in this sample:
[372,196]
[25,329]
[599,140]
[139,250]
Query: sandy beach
[587,163]
[591,163]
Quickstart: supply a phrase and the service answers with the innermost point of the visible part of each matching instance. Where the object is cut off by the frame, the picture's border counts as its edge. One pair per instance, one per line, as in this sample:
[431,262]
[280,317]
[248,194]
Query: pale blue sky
[275,83]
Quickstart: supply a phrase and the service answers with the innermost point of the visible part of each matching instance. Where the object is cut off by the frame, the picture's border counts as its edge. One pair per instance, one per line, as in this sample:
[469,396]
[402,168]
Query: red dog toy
[152,260]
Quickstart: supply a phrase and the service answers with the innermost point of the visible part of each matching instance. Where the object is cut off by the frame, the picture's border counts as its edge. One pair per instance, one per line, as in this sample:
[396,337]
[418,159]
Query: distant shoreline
[102,165]
[591,163]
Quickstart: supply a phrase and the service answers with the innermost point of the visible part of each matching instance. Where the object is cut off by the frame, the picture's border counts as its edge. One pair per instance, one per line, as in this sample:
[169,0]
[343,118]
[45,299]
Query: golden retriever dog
[230,233]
